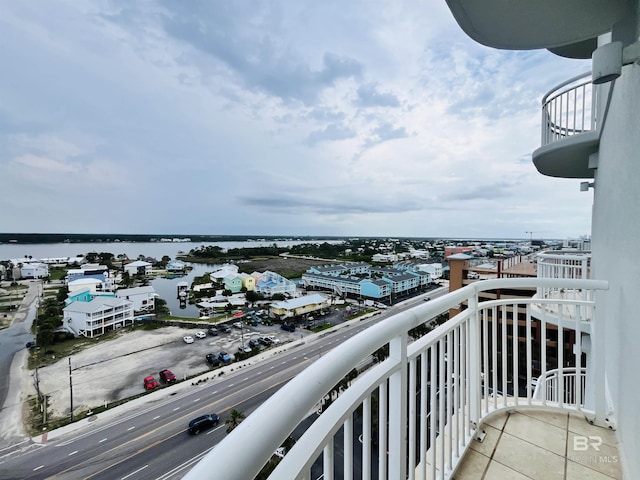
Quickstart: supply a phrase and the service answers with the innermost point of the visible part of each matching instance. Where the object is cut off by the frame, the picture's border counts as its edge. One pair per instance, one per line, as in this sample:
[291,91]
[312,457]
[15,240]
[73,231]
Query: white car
[238,325]
[273,339]
[201,335]
[187,339]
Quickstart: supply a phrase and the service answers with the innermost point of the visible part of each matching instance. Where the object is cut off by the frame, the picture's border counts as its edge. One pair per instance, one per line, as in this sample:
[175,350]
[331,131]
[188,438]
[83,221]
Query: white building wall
[615,234]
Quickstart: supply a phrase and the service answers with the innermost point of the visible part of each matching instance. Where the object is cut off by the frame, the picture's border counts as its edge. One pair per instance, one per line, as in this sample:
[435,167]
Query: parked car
[238,325]
[167,376]
[266,341]
[224,328]
[212,359]
[224,357]
[273,338]
[187,339]
[212,331]
[254,343]
[31,345]
[244,348]
[426,299]
[201,335]
[150,383]
[288,327]
[203,423]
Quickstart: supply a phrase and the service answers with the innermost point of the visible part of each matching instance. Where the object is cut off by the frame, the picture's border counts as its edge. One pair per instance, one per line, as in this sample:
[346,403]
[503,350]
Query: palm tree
[235,417]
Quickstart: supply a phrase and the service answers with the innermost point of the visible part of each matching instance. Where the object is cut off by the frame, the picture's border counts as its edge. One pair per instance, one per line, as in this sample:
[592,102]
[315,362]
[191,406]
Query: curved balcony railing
[414,413]
[569,109]
[566,385]
[571,264]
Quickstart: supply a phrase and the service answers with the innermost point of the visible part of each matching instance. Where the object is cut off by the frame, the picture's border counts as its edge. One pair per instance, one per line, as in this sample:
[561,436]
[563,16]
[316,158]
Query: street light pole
[71,389]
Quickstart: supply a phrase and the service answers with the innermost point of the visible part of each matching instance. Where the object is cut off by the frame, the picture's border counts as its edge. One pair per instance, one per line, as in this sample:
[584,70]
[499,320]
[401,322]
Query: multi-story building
[143,299]
[270,283]
[460,402]
[97,316]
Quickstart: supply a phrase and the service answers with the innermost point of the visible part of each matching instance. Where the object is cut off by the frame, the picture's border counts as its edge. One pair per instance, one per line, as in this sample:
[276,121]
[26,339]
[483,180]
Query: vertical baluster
[433,409]
[327,460]
[347,429]
[424,419]
[504,361]
[494,355]
[412,419]
[382,432]
[366,437]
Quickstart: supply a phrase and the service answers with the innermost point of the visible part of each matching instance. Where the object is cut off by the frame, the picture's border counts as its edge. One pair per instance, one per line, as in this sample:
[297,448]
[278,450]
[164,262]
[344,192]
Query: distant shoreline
[44,238]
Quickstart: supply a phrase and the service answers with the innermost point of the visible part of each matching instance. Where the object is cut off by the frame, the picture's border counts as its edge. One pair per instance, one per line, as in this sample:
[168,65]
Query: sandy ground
[114,369]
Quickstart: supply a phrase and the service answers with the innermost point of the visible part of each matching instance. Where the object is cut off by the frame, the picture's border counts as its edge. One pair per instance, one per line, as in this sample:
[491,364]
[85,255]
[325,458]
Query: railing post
[474,361]
[398,409]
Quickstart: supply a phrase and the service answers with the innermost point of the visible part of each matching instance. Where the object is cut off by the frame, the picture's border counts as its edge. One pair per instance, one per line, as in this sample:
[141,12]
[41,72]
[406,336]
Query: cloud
[384,133]
[369,96]
[331,132]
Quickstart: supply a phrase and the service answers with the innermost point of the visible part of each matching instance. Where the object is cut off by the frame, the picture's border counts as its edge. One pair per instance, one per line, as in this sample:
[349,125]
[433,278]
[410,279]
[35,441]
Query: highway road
[151,441]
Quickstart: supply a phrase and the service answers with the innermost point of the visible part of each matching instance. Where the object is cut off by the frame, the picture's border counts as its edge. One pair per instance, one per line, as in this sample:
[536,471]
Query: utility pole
[71,389]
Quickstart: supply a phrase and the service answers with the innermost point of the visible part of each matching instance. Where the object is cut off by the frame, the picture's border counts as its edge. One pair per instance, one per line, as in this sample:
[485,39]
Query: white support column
[398,410]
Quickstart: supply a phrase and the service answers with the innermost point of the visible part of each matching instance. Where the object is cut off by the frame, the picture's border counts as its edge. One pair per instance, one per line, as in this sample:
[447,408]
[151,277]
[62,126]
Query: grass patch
[322,327]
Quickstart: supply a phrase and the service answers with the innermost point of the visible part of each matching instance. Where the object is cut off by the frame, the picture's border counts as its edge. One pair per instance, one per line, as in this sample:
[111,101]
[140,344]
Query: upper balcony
[569,129]
[407,399]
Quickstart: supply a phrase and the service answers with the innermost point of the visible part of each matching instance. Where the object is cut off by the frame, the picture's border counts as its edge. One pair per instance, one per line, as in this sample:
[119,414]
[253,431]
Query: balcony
[569,130]
[499,383]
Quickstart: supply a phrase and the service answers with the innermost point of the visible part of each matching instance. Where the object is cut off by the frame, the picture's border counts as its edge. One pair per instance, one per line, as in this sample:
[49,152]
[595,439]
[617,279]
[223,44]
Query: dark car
[212,359]
[288,327]
[213,331]
[203,423]
[31,345]
[167,376]
[265,341]
[254,344]
[224,357]
[224,328]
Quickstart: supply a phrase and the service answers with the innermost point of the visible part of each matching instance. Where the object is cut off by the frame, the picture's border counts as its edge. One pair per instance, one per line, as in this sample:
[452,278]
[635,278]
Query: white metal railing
[564,264]
[569,109]
[414,414]
[567,385]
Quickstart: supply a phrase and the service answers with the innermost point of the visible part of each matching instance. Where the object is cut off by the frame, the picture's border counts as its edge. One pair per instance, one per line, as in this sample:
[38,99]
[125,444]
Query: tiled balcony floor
[540,445]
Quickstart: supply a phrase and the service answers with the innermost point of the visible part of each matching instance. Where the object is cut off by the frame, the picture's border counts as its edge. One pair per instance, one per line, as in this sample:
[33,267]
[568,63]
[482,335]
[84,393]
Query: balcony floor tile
[531,444]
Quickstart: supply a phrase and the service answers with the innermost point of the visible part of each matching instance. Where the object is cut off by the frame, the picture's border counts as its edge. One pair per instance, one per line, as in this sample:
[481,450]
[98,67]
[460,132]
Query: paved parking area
[114,369]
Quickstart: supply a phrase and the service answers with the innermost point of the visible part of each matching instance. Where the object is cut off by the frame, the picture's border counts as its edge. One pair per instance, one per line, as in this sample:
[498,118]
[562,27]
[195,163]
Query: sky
[273,117]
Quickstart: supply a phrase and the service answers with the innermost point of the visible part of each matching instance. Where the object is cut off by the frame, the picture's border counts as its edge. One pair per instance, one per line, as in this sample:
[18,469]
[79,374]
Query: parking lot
[115,369]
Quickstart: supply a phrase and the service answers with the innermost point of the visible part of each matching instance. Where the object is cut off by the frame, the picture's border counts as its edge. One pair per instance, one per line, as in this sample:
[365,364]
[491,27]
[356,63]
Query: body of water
[167,289]
[130,249]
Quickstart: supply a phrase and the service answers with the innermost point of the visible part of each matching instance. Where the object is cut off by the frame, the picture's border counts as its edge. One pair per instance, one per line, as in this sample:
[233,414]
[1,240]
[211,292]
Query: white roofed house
[94,285]
[142,298]
[34,270]
[300,305]
[139,267]
[97,316]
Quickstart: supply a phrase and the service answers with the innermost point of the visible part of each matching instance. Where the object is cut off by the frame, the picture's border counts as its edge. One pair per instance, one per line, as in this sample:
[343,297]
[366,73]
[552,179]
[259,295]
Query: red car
[150,383]
[167,376]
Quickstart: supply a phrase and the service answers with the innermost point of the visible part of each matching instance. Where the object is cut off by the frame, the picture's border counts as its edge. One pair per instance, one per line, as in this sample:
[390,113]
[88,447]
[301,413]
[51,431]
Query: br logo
[581,443]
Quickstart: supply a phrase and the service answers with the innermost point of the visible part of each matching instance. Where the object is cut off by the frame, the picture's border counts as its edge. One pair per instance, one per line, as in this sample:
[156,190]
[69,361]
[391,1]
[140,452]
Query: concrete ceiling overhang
[534,24]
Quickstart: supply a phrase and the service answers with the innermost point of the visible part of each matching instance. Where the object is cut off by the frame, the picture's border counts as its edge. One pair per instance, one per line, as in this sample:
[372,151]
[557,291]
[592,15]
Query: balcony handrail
[284,410]
[569,111]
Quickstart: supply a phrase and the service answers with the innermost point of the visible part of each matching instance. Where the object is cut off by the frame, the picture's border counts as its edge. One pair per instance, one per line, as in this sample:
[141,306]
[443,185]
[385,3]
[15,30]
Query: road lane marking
[133,473]
[103,440]
[215,429]
[38,468]
[130,428]
[177,408]
[73,453]
[156,417]
[196,400]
